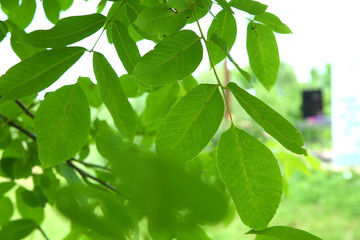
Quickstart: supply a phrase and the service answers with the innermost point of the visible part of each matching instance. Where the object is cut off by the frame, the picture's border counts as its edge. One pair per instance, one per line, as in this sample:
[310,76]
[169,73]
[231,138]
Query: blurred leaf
[17,229]
[67,31]
[3,30]
[7,210]
[65,4]
[101,6]
[252,175]
[263,53]
[131,87]
[291,163]
[190,124]
[315,163]
[188,83]
[114,97]
[5,135]
[162,20]
[24,13]
[91,91]
[52,10]
[62,124]
[174,58]
[249,6]
[5,187]
[28,205]
[273,21]
[284,233]
[125,46]
[272,122]
[16,167]
[224,26]
[158,104]
[37,72]
[10,5]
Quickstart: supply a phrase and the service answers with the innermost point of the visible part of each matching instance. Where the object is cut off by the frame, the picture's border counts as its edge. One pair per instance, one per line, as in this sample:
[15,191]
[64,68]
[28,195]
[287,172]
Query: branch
[21,129]
[24,108]
[90,165]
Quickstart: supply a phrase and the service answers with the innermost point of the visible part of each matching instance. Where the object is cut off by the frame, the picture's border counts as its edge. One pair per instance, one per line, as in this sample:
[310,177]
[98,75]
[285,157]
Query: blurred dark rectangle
[312,105]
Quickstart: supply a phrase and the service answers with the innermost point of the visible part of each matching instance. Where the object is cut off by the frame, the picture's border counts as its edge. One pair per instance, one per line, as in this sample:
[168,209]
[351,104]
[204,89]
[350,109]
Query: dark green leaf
[162,20]
[5,135]
[224,26]
[10,5]
[114,97]
[158,103]
[91,91]
[67,31]
[263,53]
[272,122]
[285,233]
[191,123]
[62,124]
[3,30]
[17,229]
[52,10]
[174,58]
[16,167]
[249,6]
[38,72]
[6,186]
[125,46]
[36,213]
[273,21]
[7,210]
[252,175]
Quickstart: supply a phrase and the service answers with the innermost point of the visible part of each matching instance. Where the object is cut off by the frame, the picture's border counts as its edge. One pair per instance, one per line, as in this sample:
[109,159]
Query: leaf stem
[18,127]
[43,233]
[90,165]
[212,65]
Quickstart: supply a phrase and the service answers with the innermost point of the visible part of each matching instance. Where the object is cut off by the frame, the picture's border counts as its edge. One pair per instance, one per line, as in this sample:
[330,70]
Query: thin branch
[18,127]
[24,108]
[90,165]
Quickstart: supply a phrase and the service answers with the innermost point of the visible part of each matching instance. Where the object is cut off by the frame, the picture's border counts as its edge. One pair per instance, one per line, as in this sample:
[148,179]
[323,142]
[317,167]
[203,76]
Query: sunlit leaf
[191,123]
[52,10]
[125,46]
[62,124]
[271,121]
[172,59]
[249,6]
[273,21]
[263,53]
[38,72]
[252,175]
[7,210]
[17,229]
[284,233]
[67,31]
[114,97]
[24,14]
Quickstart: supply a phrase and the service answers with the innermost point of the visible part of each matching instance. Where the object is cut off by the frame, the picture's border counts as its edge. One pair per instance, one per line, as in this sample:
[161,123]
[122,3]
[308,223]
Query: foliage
[151,166]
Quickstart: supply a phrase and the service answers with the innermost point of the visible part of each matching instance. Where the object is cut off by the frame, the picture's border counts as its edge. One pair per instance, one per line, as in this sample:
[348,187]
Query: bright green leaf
[224,26]
[6,186]
[285,233]
[263,53]
[3,30]
[52,10]
[172,59]
[125,46]
[158,103]
[201,7]
[291,163]
[24,14]
[271,121]
[17,229]
[188,83]
[7,210]
[162,20]
[67,31]
[131,87]
[225,5]
[272,21]
[114,97]
[62,124]
[65,4]
[252,175]
[249,6]
[37,72]
[191,123]
[91,91]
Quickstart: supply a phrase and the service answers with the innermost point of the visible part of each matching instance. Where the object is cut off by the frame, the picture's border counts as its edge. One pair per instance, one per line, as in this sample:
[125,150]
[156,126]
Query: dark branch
[24,108]
[21,129]
[90,165]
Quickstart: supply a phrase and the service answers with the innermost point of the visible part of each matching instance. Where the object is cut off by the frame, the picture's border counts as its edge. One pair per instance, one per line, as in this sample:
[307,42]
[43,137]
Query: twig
[90,165]
[21,129]
[24,108]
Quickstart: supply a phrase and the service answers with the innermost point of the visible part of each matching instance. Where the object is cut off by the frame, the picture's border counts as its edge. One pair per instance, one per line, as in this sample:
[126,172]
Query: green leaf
[10,5]
[91,91]
[172,59]
[273,21]
[67,31]
[162,20]
[65,4]
[17,229]
[28,206]
[225,5]
[7,210]
[3,30]
[6,186]
[191,123]
[291,163]
[131,87]
[284,233]
[249,6]
[62,124]
[252,175]
[158,104]
[24,14]
[125,46]
[263,53]
[271,121]
[37,72]
[224,26]
[114,97]
[52,10]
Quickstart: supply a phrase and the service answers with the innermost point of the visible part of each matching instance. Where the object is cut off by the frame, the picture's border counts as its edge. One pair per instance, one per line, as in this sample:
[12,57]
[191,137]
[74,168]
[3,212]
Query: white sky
[322,29]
